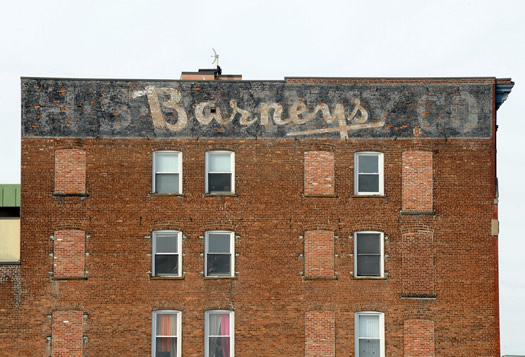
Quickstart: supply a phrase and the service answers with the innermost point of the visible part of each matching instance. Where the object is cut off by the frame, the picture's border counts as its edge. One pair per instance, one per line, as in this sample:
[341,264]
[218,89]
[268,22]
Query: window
[167,172]
[220,172]
[368,170]
[219,333]
[368,254]
[219,260]
[166,334]
[167,257]
[369,334]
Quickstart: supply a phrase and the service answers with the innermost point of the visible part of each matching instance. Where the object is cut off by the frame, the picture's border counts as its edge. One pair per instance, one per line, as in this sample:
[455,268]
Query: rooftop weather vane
[215,57]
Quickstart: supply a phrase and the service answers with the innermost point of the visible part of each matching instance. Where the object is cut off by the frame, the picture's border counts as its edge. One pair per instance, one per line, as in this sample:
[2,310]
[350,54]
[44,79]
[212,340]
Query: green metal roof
[10,195]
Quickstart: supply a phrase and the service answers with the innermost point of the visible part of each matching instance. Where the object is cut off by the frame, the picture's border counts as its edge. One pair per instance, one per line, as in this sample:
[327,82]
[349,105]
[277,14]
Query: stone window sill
[414,296]
[70,278]
[370,277]
[417,213]
[221,194]
[57,194]
[154,194]
[312,278]
[368,196]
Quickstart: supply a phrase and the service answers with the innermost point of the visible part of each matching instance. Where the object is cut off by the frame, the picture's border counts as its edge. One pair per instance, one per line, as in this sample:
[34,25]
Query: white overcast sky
[272,39]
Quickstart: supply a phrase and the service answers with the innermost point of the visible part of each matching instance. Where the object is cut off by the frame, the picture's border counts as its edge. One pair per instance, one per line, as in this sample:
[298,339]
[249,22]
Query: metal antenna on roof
[215,57]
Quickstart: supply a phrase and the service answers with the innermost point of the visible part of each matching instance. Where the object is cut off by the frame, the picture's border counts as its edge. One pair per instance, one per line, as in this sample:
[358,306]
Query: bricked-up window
[319,254]
[166,340]
[220,172]
[418,269]
[318,173]
[418,336]
[70,171]
[69,254]
[368,254]
[167,257]
[369,334]
[319,332]
[167,172]
[368,173]
[219,254]
[417,181]
[219,332]
[67,334]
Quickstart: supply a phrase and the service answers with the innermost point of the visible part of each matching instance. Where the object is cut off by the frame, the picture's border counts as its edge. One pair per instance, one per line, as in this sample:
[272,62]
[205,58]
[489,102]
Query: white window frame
[381,331]
[154,330]
[154,251]
[207,331]
[232,254]
[381,259]
[380,167]
[209,154]
[179,171]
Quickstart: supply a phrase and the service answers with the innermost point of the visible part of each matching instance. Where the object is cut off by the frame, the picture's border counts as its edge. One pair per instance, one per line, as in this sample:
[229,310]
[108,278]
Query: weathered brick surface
[268,214]
[417,181]
[70,171]
[319,336]
[319,173]
[418,338]
[69,253]
[319,254]
[67,334]
[418,264]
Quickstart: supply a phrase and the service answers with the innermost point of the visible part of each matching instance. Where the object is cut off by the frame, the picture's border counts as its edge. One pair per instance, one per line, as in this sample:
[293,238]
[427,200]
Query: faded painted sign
[184,109]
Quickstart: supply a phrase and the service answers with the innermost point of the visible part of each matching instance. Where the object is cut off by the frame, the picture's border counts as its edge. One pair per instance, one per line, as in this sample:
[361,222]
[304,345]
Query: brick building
[221,217]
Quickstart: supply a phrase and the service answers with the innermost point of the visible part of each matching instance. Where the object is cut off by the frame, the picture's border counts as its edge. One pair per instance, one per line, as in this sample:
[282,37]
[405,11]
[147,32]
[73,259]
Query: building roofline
[395,78]
[279,80]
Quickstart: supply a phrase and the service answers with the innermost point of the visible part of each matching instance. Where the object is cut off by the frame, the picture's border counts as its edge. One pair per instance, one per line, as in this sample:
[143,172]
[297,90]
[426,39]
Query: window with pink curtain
[219,336]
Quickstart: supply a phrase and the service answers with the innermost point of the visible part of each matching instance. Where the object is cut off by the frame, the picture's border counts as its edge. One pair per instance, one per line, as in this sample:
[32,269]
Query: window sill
[56,194]
[70,278]
[10,263]
[427,297]
[155,194]
[218,194]
[166,278]
[368,196]
[416,213]
[370,277]
[312,278]
[220,278]
[319,196]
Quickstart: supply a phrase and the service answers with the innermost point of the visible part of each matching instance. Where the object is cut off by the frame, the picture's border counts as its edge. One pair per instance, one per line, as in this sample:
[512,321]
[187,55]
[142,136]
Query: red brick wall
[319,254]
[67,334]
[418,264]
[70,171]
[418,338]
[319,334]
[417,181]
[69,254]
[268,214]
[319,173]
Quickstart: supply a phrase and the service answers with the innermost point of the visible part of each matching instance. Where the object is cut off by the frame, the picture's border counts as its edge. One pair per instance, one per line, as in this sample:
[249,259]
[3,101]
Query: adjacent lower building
[220,217]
